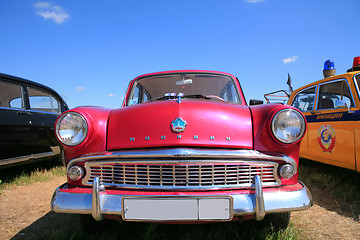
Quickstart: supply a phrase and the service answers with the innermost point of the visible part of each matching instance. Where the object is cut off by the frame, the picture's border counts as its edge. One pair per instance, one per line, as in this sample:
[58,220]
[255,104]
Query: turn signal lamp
[75,173]
[329,68]
[287,171]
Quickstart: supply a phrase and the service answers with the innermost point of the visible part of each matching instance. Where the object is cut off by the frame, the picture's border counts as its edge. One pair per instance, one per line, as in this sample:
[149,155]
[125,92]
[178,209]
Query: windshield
[212,87]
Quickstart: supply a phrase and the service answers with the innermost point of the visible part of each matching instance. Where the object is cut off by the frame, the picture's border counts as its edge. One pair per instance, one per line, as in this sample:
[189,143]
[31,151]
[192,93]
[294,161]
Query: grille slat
[181,175]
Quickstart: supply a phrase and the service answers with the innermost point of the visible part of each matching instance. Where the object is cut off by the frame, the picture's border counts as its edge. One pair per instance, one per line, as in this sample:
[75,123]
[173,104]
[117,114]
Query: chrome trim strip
[259,200]
[30,110]
[44,112]
[243,204]
[55,151]
[15,109]
[187,155]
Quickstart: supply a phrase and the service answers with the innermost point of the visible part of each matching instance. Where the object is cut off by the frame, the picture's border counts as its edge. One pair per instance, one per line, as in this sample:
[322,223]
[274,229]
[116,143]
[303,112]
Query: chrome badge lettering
[212,138]
[178,125]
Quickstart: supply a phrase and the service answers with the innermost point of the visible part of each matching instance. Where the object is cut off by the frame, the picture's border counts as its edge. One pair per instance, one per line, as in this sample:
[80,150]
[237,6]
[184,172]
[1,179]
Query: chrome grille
[177,175]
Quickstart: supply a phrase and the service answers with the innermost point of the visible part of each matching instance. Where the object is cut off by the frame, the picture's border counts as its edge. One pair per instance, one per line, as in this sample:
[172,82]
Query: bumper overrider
[184,205]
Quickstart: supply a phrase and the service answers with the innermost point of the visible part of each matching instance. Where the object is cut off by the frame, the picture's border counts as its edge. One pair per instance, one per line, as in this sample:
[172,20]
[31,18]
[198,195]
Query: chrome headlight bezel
[74,125]
[288,126]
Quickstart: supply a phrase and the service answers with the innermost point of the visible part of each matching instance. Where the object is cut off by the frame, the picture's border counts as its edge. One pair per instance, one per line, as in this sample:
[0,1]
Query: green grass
[338,182]
[28,174]
[151,231]
[336,189]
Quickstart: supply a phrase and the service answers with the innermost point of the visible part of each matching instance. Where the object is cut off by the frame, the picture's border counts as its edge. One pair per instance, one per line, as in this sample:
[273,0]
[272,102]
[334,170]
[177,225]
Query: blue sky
[89,50]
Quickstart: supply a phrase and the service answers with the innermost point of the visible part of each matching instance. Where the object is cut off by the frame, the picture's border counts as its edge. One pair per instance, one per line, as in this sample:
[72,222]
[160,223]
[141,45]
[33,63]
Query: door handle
[24,113]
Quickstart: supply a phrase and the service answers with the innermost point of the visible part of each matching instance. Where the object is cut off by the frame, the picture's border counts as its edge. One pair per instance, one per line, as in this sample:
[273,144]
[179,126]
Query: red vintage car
[184,147]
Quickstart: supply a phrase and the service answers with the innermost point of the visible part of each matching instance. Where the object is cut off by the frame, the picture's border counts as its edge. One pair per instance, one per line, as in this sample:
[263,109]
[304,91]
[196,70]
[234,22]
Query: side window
[330,92]
[139,95]
[10,95]
[42,101]
[229,93]
[146,97]
[224,95]
[304,100]
[55,105]
[233,93]
[135,96]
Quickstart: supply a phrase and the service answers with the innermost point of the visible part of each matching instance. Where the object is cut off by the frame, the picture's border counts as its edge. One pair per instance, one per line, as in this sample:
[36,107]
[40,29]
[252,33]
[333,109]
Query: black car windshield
[212,87]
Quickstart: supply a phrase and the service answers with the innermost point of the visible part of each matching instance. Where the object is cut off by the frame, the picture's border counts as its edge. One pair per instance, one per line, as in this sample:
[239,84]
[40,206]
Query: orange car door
[331,128]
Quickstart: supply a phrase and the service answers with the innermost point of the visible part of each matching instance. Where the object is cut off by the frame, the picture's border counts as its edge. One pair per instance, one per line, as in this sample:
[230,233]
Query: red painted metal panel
[209,124]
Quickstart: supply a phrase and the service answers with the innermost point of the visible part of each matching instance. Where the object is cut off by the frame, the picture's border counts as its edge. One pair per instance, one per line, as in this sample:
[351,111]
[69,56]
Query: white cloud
[80,89]
[51,11]
[111,95]
[255,1]
[290,59]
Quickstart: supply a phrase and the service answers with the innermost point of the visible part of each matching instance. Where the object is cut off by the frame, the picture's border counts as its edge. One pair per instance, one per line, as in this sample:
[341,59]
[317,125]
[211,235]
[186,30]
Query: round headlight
[287,171]
[75,173]
[288,126]
[71,128]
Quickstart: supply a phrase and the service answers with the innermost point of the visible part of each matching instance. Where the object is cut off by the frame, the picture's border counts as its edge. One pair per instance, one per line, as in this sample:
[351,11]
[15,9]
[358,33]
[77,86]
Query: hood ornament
[178,125]
[180,95]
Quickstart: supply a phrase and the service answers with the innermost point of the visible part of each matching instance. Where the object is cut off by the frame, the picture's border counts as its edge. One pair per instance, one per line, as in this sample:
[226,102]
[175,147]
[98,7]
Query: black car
[28,111]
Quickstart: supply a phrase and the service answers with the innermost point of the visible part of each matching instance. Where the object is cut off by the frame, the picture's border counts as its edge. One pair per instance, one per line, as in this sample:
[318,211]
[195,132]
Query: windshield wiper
[199,96]
[196,96]
[205,97]
[167,96]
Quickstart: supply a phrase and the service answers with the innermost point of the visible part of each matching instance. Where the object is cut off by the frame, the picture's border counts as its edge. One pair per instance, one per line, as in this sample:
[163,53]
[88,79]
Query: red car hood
[208,124]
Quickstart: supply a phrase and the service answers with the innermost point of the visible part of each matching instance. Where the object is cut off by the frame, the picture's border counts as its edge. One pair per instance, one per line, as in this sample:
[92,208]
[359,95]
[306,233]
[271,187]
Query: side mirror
[255,102]
[342,104]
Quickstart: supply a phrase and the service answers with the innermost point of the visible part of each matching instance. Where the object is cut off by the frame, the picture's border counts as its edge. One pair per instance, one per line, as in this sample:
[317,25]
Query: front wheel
[61,158]
[278,221]
[90,225]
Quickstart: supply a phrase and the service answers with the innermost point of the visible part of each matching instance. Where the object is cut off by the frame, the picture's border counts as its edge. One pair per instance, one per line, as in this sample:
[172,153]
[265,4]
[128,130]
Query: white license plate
[177,209]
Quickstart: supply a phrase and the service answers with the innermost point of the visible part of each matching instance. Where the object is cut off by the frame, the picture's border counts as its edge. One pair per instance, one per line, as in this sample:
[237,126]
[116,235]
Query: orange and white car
[332,109]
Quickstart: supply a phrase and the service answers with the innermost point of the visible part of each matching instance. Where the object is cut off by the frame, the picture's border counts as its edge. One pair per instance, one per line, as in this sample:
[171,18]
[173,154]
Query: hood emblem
[178,125]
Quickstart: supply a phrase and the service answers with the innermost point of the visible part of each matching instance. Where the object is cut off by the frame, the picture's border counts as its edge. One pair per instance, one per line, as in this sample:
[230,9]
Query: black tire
[61,158]
[278,221]
[90,225]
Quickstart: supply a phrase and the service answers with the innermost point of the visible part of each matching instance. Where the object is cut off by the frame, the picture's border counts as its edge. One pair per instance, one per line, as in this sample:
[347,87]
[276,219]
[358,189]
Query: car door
[331,128]
[304,101]
[44,109]
[356,80]
[15,121]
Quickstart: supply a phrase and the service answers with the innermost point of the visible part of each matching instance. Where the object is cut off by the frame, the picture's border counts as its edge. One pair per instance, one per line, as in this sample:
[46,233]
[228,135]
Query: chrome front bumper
[98,203]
